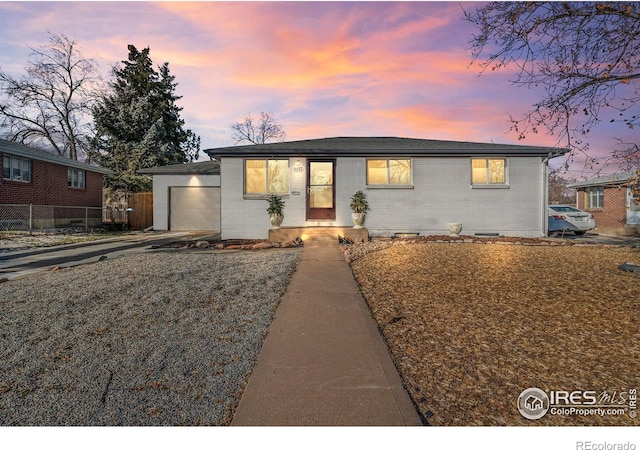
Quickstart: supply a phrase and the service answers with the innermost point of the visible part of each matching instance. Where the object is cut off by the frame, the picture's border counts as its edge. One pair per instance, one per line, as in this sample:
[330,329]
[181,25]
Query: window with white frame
[75,178]
[266,176]
[388,171]
[594,197]
[634,201]
[488,171]
[16,169]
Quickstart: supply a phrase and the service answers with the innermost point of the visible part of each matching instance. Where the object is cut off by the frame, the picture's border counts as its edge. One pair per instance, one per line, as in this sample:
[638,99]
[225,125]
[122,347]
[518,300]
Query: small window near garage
[594,197]
[16,169]
[388,172]
[266,176]
[634,201]
[75,178]
[488,171]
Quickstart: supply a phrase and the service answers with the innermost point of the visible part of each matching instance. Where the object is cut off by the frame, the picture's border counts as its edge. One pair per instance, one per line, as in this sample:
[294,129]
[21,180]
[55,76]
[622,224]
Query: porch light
[297,166]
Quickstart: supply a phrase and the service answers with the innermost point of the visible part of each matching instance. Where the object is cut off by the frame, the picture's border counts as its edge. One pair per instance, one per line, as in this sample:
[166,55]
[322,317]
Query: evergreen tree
[138,124]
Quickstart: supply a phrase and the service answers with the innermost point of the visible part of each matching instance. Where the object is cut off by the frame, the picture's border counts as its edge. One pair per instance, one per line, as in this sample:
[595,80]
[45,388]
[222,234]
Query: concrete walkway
[324,361]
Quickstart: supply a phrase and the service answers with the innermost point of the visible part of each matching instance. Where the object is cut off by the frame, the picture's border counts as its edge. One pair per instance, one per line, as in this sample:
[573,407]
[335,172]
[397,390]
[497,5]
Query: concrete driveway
[594,238]
[24,262]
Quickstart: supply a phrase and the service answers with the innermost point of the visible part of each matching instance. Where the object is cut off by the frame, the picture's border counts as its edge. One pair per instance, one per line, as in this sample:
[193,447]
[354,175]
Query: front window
[266,176]
[75,178]
[594,197]
[389,171]
[488,171]
[16,169]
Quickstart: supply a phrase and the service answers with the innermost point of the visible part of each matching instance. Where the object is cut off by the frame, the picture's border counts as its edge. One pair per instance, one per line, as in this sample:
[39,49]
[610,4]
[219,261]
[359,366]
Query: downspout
[545,195]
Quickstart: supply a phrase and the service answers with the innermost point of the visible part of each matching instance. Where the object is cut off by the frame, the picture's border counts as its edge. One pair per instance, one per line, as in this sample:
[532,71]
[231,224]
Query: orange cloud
[322,68]
[394,78]
[265,45]
[477,122]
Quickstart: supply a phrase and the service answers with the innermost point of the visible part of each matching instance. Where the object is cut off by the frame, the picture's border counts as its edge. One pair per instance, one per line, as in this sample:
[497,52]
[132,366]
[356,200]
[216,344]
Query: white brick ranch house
[412,185]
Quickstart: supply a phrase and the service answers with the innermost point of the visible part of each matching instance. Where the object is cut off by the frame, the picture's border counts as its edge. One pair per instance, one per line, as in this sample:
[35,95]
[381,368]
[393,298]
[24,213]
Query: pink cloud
[322,68]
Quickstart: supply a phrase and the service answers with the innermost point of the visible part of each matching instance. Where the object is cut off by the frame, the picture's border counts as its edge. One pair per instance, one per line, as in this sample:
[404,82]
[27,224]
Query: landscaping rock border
[231,244]
[354,250]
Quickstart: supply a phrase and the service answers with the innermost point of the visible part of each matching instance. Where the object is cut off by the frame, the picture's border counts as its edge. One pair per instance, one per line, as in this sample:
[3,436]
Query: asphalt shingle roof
[616,178]
[361,146]
[197,168]
[22,151]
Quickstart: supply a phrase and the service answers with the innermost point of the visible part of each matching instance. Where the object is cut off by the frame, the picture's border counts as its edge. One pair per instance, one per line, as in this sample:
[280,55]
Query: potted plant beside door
[359,208]
[275,210]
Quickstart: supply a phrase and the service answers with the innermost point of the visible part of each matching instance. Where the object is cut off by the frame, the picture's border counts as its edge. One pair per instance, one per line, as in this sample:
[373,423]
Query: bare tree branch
[267,130]
[50,106]
[559,193]
[584,55]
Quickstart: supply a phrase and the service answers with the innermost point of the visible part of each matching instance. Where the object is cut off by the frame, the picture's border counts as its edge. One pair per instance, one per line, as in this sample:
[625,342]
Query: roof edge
[24,151]
[196,168]
[359,146]
[606,180]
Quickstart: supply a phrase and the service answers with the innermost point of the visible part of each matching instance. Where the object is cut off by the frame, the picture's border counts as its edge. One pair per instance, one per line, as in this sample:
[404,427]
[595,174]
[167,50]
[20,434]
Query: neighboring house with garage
[412,186]
[186,197]
[612,202]
[35,177]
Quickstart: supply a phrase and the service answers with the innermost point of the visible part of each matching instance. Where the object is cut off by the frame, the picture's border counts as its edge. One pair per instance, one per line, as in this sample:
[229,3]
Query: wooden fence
[142,215]
[135,211]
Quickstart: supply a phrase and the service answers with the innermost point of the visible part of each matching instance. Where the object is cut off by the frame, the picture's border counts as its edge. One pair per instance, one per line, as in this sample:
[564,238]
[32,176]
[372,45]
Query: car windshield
[564,209]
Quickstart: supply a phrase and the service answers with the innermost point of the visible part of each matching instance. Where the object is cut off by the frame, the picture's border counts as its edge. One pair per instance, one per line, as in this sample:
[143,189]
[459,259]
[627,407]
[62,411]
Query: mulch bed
[471,326]
[354,252]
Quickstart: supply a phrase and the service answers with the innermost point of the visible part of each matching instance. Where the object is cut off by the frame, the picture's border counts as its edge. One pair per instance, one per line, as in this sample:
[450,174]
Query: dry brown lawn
[470,326]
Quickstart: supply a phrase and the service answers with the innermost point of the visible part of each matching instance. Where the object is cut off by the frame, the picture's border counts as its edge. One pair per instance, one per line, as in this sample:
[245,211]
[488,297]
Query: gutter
[371,153]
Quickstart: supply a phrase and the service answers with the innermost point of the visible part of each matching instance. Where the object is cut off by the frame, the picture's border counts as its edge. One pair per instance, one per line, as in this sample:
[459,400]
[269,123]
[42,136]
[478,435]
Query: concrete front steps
[324,235]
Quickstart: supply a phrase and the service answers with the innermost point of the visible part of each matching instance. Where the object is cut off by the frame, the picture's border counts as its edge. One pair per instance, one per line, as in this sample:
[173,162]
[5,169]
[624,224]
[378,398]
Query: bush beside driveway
[470,326]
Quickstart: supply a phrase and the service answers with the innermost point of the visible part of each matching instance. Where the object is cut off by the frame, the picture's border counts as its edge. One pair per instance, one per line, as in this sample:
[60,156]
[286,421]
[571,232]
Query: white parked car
[568,218]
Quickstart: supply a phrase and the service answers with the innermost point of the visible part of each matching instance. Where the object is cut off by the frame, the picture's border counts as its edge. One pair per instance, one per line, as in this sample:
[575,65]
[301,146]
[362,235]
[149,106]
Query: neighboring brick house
[611,202]
[36,177]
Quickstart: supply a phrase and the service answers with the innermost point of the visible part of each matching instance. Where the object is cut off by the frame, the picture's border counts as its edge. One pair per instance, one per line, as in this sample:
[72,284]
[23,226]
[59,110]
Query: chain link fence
[45,218]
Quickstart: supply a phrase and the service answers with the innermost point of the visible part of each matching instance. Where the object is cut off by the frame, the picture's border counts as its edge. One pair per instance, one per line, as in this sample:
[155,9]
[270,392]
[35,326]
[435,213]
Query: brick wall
[441,193]
[48,186]
[614,212]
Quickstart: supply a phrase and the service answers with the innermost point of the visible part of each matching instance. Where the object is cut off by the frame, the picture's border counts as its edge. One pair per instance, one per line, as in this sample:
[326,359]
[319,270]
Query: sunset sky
[322,69]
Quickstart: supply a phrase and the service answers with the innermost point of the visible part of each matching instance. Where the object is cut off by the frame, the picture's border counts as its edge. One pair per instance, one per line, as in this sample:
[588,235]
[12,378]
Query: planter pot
[358,219]
[276,220]
[455,229]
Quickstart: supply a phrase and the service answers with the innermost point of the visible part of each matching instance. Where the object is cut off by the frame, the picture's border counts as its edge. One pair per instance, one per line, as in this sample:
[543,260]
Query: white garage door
[194,208]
